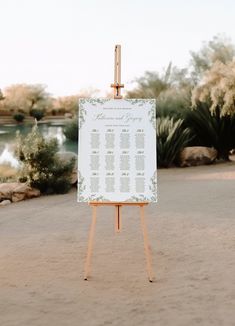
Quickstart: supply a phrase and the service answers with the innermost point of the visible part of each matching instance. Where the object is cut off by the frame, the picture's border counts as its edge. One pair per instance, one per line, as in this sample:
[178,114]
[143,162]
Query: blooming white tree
[217,88]
[1,96]
[220,48]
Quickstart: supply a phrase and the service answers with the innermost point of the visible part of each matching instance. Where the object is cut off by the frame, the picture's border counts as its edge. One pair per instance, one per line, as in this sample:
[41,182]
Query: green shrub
[19,117]
[172,137]
[53,112]
[71,130]
[37,114]
[61,111]
[212,130]
[173,103]
[40,166]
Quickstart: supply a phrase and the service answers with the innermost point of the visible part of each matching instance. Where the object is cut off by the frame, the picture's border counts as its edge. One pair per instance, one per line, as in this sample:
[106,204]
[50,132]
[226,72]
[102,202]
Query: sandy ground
[192,234]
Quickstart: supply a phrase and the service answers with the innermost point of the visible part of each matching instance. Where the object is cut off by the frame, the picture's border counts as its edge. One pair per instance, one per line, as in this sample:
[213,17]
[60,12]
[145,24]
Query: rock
[17,196]
[32,193]
[197,155]
[23,191]
[5,202]
[17,191]
[66,157]
[6,190]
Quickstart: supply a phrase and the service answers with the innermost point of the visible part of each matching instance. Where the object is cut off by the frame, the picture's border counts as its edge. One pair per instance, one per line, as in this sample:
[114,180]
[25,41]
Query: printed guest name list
[117,150]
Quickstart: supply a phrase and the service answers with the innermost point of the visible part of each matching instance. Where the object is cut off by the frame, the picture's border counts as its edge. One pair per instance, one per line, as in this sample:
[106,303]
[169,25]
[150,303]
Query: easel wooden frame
[118,205]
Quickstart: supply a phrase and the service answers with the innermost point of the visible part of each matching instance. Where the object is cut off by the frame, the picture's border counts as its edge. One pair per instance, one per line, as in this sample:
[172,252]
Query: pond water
[8,135]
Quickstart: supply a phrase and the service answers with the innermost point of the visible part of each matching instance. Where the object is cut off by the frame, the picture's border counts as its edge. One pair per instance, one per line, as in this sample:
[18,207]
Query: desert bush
[212,130]
[61,111]
[19,117]
[172,137]
[71,130]
[53,112]
[40,166]
[173,103]
[37,114]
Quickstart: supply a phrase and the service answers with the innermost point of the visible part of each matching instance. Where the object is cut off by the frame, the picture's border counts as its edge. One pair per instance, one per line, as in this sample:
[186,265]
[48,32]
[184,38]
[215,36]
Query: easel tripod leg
[90,243]
[118,220]
[146,245]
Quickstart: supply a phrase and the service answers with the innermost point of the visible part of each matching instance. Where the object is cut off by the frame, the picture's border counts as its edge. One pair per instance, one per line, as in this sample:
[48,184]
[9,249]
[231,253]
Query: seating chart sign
[117,150]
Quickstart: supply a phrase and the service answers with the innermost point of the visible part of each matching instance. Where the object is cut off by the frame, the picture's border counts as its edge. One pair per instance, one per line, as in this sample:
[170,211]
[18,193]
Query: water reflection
[8,134]
[56,132]
[7,157]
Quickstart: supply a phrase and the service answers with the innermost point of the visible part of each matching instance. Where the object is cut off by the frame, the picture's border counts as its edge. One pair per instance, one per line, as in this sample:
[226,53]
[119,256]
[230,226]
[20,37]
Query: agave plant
[212,130]
[172,137]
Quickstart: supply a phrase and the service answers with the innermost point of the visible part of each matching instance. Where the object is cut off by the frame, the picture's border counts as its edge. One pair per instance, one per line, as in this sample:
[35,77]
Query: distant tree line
[195,104]
[34,100]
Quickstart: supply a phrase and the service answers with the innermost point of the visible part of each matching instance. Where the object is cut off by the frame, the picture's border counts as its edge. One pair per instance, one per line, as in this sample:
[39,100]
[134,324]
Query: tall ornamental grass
[172,137]
[212,130]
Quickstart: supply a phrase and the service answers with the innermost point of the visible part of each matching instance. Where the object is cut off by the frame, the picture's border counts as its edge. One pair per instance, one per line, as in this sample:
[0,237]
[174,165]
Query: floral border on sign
[151,112]
[96,198]
[153,187]
[140,102]
[152,116]
[82,188]
[94,101]
[137,199]
[81,115]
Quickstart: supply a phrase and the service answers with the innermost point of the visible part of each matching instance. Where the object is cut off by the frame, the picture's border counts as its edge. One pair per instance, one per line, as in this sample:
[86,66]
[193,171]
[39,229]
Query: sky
[68,45]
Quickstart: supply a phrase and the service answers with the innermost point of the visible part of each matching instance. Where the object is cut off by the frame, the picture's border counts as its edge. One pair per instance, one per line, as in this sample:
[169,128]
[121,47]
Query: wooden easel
[118,205]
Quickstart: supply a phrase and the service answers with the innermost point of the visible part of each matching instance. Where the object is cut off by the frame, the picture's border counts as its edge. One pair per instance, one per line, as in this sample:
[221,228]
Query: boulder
[5,202]
[17,191]
[66,158]
[6,190]
[197,155]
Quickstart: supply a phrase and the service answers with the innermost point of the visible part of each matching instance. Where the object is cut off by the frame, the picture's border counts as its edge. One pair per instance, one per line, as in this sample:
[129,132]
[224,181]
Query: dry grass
[7,171]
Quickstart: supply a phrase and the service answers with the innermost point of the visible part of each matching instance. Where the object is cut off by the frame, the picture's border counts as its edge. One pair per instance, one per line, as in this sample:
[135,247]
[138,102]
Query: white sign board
[117,150]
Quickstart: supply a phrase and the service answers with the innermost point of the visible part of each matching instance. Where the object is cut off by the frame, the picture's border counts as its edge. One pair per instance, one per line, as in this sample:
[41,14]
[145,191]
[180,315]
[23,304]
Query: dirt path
[192,233]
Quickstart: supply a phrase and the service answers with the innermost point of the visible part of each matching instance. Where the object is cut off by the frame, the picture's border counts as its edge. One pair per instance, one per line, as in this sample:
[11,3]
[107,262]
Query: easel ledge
[114,203]
[118,206]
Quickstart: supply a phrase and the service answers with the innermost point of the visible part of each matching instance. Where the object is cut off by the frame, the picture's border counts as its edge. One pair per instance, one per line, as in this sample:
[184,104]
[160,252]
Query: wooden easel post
[117,85]
[118,220]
